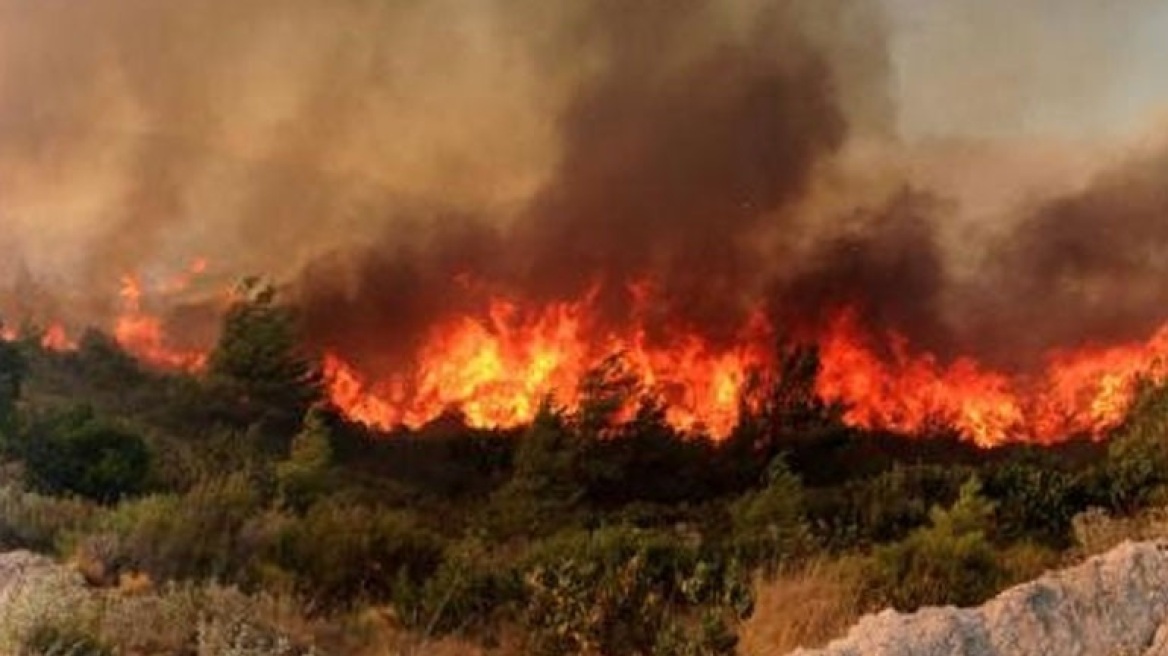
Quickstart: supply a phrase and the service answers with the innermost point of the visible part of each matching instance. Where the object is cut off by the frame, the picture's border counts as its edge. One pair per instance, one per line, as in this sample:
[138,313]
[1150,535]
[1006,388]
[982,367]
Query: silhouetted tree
[12,371]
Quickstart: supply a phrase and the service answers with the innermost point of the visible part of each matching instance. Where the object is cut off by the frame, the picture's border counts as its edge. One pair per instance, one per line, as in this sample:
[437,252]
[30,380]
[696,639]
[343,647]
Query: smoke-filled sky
[981,175]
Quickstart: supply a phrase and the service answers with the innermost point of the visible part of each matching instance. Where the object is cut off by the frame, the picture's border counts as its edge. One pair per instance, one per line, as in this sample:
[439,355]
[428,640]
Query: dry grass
[805,607]
[1097,532]
[376,632]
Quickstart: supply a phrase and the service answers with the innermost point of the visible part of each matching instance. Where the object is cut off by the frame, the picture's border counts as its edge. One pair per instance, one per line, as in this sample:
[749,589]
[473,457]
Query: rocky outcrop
[1115,604]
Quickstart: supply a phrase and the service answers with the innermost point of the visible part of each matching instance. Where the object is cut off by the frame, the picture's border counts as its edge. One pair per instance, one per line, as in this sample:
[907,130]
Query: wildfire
[497,369]
[1079,392]
[142,333]
[56,338]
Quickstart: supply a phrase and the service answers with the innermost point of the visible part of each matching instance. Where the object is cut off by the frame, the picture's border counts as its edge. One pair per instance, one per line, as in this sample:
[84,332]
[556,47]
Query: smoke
[396,163]
[691,136]
[1083,267]
[136,135]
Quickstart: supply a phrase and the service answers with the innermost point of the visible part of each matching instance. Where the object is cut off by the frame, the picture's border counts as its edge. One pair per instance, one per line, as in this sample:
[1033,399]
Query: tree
[261,365]
[950,562]
[545,489]
[782,413]
[769,525]
[12,371]
[302,475]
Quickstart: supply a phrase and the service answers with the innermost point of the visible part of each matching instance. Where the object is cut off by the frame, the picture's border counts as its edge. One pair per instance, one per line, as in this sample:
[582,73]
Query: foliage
[29,520]
[51,611]
[468,592]
[769,525]
[949,562]
[1034,499]
[782,410]
[883,508]
[545,487]
[104,361]
[625,591]
[260,366]
[341,554]
[199,534]
[302,477]
[63,640]
[1137,458]
[75,452]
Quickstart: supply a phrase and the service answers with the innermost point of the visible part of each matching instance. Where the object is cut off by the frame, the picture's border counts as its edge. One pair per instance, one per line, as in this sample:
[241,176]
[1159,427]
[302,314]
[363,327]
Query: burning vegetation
[701,185]
[563,322]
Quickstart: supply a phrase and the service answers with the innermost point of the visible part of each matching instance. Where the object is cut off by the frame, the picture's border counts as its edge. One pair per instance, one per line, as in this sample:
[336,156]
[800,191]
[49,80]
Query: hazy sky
[1051,68]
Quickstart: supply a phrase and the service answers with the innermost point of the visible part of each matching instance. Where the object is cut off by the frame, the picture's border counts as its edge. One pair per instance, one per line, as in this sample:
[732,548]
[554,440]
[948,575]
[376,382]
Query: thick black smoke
[695,136]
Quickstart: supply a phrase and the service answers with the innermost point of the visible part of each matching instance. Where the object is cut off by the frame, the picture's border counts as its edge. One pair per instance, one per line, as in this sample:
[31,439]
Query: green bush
[883,508]
[199,534]
[340,554]
[75,453]
[949,562]
[12,372]
[625,591]
[546,489]
[470,592]
[1033,500]
[1137,458]
[769,525]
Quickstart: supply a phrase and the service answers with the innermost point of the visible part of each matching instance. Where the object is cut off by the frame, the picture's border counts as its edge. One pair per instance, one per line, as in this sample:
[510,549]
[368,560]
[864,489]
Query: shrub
[546,486]
[12,371]
[469,592]
[769,525]
[33,521]
[883,508]
[624,591]
[195,535]
[1137,458]
[341,554]
[302,476]
[949,562]
[52,609]
[1033,500]
[76,453]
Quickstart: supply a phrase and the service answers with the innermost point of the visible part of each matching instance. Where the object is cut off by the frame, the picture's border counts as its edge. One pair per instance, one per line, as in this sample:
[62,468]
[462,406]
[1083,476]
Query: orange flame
[142,334]
[1079,392]
[497,369]
[56,338]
